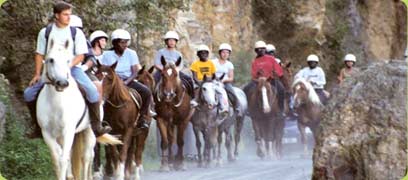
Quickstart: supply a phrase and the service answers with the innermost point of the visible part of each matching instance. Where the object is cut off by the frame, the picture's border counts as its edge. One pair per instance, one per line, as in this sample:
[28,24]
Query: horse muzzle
[169,96]
[60,85]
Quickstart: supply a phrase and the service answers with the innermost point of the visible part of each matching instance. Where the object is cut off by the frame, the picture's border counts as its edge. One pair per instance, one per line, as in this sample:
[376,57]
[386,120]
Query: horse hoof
[164,169]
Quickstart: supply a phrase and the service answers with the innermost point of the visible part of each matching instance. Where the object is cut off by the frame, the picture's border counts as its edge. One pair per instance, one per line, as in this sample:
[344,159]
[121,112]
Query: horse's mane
[119,92]
[313,97]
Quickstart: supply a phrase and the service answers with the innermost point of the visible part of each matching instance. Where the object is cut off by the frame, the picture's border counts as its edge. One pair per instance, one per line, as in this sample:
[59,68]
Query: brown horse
[263,109]
[121,112]
[172,104]
[308,107]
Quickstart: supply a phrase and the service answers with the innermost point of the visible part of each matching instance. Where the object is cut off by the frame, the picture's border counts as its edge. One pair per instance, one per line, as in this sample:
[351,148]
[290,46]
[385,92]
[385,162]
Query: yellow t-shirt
[203,68]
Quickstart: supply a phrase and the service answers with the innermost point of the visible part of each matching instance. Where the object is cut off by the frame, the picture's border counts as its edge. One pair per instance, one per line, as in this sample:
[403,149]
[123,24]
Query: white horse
[63,117]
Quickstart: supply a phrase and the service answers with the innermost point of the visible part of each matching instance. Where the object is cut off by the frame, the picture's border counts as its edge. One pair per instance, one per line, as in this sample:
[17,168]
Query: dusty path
[249,168]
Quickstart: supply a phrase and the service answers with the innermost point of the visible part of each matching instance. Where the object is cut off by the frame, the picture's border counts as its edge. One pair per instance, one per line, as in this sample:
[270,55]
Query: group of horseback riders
[88,53]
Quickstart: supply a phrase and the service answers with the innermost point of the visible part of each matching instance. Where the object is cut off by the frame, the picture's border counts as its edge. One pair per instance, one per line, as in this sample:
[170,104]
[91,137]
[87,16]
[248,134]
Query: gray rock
[362,134]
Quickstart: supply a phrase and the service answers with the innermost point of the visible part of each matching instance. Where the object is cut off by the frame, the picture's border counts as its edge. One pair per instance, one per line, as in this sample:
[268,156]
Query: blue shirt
[125,62]
[169,55]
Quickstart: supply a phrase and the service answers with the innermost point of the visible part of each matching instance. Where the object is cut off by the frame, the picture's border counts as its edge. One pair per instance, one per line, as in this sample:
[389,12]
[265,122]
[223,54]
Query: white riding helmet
[97,34]
[75,21]
[278,60]
[260,44]
[120,34]
[225,46]
[312,57]
[350,57]
[171,35]
[270,47]
[203,48]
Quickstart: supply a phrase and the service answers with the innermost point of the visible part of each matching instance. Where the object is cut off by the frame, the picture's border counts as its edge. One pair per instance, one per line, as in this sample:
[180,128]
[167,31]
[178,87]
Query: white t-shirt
[314,75]
[60,36]
[222,68]
[125,62]
[169,56]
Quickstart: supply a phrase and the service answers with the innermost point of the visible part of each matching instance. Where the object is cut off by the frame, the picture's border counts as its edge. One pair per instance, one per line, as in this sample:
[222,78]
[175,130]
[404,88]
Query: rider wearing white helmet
[349,70]
[226,68]
[75,21]
[266,66]
[171,54]
[315,75]
[127,67]
[270,49]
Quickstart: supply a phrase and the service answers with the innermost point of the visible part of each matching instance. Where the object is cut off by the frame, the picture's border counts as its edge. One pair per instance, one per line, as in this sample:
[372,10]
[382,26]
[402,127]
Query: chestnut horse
[121,112]
[308,107]
[172,104]
[263,109]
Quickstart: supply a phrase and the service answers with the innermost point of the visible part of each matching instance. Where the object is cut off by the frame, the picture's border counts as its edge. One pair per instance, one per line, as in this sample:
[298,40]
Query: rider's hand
[34,80]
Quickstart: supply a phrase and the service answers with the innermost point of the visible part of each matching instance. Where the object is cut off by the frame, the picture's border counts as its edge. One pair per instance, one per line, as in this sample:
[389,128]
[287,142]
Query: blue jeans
[92,95]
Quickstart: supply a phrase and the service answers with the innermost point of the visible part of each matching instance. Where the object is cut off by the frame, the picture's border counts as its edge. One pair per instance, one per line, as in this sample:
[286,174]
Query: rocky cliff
[372,30]
[363,131]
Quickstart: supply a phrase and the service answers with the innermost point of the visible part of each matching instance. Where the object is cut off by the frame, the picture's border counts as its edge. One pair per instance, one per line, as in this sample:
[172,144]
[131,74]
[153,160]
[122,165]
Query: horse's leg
[301,128]
[140,144]
[219,139]
[228,144]
[237,133]
[97,158]
[179,165]
[170,139]
[198,146]
[65,157]
[130,165]
[120,169]
[162,126]
[109,155]
[279,136]
[55,150]
[89,142]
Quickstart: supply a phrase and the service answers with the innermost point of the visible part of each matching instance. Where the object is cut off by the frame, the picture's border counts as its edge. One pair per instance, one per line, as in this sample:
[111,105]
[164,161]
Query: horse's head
[304,93]
[145,77]
[207,93]
[265,93]
[112,86]
[57,69]
[287,78]
[221,93]
[170,81]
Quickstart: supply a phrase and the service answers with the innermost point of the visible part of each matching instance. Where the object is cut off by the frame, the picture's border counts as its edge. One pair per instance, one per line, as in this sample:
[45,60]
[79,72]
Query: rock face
[363,131]
[4,99]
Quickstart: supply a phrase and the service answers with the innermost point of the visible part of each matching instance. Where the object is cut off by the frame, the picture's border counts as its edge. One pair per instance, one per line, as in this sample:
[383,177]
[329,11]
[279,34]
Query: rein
[114,105]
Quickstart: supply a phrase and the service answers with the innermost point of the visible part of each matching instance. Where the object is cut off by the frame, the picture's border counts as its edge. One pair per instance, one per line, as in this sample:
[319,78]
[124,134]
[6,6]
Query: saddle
[137,99]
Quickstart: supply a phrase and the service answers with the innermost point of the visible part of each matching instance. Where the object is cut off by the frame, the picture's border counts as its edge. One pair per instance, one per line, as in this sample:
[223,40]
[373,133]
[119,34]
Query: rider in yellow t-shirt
[202,66]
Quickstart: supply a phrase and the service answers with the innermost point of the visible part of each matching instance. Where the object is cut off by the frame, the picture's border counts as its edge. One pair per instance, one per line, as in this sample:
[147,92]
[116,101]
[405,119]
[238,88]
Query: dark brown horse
[263,109]
[308,107]
[121,112]
[172,104]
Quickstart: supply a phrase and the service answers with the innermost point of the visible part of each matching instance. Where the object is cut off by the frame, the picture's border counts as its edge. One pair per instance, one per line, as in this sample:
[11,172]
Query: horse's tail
[77,154]
[108,139]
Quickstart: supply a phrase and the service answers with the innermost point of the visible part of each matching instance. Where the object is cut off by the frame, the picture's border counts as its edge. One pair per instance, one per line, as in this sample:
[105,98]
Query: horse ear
[151,69]
[163,61]
[141,70]
[288,65]
[178,62]
[66,44]
[113,66]
[204,77]
[214,76]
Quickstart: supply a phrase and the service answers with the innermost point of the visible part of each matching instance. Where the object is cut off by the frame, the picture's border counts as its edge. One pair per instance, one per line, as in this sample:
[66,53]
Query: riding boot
[35,128]
[96,122]
[144,118]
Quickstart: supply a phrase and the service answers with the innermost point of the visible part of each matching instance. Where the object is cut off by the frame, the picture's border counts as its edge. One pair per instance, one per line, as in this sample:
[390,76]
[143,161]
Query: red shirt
[265,65]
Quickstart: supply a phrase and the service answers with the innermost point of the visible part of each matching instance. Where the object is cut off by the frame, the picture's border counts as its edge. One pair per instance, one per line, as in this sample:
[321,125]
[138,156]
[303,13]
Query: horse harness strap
[82,117]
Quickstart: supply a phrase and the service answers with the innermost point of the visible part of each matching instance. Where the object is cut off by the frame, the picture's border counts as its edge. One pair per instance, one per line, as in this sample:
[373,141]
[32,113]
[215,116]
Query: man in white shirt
[60,32]
[315,75]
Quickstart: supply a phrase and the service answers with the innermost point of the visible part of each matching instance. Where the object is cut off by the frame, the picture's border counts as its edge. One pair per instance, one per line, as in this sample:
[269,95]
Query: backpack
[88,55]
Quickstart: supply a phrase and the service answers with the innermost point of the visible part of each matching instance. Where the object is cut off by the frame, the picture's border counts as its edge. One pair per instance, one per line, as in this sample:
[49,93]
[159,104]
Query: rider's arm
[157,61]
[135,68]
[230,77]
[78,59]
[321,79]
[194,76]
[39,56]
